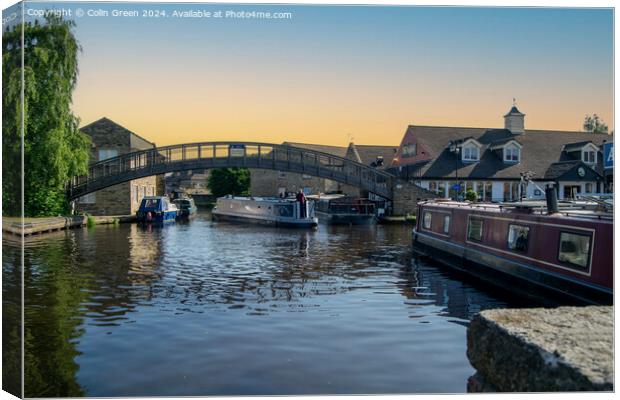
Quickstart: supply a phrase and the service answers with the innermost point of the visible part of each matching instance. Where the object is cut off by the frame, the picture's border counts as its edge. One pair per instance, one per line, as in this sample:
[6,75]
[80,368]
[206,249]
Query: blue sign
[456,187]
[608,155]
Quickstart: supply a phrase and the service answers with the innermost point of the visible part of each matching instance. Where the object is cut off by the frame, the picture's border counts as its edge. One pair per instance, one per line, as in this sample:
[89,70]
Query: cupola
[514,121]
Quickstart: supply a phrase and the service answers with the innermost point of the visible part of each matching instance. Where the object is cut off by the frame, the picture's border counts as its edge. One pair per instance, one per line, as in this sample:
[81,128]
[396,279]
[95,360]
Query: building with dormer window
[491,161]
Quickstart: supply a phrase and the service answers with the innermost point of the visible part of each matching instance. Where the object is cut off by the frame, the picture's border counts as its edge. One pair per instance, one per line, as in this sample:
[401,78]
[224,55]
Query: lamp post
[456,149]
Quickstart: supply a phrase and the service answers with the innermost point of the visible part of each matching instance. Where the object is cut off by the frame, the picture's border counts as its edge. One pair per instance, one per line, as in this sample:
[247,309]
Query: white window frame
[474,153]
[510,151]
[585,156]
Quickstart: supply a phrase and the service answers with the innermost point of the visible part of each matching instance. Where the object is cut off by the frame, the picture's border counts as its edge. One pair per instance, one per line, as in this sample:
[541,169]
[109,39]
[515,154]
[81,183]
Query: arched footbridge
[207,155]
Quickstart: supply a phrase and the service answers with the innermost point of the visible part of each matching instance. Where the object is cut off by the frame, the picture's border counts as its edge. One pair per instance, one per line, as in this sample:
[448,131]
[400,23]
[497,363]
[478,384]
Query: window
[511,191]
[427,220]
[589,156]
[575,249]
[104,154]
[410,150]
[589,187]
[471,153]
[488,191]
[446,224]
[512,154]
[518,237]
[474,229]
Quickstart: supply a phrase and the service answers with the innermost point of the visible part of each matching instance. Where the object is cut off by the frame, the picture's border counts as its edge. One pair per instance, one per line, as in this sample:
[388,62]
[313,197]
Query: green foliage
[90,221]
[470,195]
[54,149]
[235,181]
[593,124]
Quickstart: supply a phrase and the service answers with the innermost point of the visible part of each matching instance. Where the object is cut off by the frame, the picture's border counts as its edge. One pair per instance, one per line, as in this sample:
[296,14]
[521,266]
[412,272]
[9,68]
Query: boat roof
[566,209]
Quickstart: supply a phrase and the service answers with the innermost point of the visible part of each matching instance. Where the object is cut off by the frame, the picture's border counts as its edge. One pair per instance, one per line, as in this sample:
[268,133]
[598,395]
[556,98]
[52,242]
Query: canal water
[204,308]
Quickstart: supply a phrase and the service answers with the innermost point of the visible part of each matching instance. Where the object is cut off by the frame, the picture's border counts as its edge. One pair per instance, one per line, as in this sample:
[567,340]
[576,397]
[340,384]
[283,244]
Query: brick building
[110,139]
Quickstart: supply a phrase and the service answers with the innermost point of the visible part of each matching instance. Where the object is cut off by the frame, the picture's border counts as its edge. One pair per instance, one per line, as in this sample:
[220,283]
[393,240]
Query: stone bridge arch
[208,155]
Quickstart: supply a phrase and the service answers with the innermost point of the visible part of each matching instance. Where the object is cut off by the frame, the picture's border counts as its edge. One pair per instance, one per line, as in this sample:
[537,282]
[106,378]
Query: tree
[593,124]
[234,181]
[54,148]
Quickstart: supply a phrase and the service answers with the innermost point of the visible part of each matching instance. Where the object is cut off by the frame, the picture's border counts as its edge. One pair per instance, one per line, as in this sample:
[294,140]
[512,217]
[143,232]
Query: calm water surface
[205,308]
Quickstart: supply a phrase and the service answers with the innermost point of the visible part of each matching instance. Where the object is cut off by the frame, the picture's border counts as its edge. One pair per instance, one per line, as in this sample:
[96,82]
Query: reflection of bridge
[207,155]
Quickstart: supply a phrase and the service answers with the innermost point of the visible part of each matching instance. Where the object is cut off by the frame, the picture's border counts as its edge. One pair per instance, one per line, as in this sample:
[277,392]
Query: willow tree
[54,148]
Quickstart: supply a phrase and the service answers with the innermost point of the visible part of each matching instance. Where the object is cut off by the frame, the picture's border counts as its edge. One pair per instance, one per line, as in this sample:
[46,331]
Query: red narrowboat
[538,249]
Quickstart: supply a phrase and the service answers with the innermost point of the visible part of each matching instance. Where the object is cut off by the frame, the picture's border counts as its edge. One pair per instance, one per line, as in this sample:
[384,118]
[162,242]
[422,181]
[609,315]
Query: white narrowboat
[265,210]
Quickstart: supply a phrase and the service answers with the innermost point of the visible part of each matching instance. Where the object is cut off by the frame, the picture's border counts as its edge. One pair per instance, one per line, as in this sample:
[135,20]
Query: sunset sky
[333,72]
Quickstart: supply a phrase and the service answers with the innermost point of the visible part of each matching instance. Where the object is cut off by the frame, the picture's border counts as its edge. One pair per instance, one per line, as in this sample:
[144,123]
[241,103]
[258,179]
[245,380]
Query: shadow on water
[184,293]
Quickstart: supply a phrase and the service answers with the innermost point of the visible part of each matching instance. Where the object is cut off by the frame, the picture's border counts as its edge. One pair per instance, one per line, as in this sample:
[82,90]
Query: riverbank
[35,226]
[542,350]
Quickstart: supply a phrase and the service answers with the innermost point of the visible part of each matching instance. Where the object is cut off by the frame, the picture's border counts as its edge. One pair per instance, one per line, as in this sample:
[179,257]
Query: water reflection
[339,303]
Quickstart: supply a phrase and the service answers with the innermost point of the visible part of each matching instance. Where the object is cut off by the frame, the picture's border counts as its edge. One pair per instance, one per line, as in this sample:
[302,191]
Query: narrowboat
[186,207]
[541,249]
[339,209]
[156,209]
[264,210]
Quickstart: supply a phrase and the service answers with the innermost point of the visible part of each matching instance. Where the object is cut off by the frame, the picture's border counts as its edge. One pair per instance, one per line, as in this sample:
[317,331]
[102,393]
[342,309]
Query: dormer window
[470,149]
[471,153]
[512,154]
[589,156]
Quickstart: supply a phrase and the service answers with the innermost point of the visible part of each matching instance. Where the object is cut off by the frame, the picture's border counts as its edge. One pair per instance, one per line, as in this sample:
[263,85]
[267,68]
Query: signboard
[236,150]
[456,187]
[608,155]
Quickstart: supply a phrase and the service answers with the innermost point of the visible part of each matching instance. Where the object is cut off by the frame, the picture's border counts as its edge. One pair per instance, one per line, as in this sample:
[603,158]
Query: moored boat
[265,210]
[156,209]
[186,207]
[339,209]
[563,252]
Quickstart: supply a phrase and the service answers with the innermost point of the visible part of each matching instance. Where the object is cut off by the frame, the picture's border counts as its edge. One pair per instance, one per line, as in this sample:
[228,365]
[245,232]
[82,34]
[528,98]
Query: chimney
[514,121]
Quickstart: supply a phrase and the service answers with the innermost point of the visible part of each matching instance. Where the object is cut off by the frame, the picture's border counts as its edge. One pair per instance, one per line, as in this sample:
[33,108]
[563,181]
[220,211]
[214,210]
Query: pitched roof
[334,150]
[576,146]
[110,125]
[559,169]
[370,153]
[540,148]
[514,111]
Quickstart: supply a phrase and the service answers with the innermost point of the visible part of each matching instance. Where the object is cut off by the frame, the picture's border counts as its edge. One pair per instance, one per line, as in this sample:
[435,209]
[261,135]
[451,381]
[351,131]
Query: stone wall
[121,199]
[266,182]
[540,350]
[406,197]
[110,201]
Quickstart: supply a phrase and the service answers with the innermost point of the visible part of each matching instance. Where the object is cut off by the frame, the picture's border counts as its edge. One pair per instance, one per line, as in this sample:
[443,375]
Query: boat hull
[519,278]
[217,216]
[346,219]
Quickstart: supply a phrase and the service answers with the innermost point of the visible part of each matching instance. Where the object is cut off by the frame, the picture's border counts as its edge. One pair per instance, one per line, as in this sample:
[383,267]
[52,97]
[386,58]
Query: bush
[470,195]
[234,181]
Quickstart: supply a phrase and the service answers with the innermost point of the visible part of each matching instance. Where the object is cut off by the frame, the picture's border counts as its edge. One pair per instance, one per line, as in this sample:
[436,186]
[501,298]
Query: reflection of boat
[262,210]
[341,209]
[156,209]
[565,251]
[186,207]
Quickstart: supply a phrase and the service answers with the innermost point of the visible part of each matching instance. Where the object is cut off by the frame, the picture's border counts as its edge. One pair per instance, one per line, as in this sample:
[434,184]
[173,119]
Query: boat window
[474,229]
[284,210]
[151,203]
[427,220]
[446,224]
[518,237]
[575,249]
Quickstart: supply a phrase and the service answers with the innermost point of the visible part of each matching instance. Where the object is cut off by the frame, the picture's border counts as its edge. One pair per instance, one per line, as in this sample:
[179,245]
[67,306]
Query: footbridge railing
[206,155]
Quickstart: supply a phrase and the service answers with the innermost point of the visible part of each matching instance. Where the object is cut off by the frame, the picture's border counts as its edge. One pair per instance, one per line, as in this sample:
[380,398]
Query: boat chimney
[552,200]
